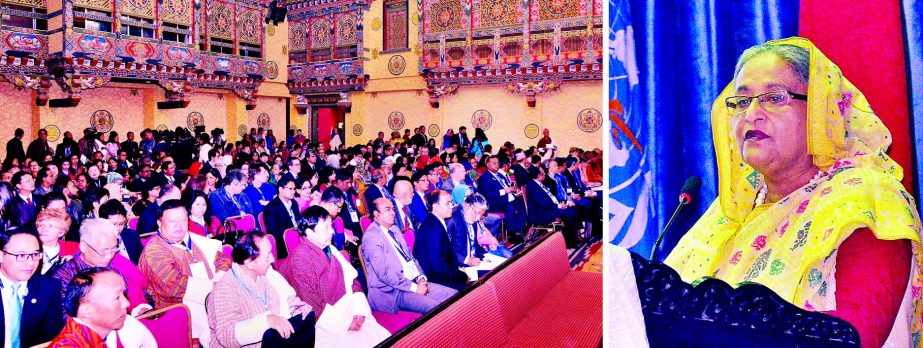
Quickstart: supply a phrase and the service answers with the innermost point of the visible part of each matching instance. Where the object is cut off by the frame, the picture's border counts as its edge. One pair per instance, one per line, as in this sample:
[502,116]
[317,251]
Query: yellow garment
[790,246]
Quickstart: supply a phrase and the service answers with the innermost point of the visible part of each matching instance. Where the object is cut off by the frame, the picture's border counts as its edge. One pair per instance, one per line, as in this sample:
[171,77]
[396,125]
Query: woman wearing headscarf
[809,203]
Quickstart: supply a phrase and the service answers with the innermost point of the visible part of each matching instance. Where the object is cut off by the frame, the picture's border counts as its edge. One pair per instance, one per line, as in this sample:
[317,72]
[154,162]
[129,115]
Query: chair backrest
[171,326]
[243,223]
[146,237]
[365,221]
[272,242]
[133,223]
[291,238]
[409,238]
[227,249]
[261,221]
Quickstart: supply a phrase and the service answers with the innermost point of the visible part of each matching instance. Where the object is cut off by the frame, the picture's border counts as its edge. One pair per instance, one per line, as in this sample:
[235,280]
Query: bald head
[403,192]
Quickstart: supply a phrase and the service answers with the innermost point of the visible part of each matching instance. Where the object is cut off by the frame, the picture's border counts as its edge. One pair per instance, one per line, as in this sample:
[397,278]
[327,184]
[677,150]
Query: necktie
[17,317]
[29,201]
[406,219]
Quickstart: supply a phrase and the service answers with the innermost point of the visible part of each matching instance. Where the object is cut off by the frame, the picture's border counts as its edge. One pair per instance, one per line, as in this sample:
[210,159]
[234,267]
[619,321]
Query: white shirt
[47,254]
[399,213]
[288,209]
[7,293]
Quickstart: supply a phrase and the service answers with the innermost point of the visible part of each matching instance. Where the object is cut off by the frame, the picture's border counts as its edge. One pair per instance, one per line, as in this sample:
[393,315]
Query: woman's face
[93,171]
[276,170]
[33,167]
[305,190]
[50,231]
[65,166]
[314,180]
[771,142]
[198,207]
[210,180]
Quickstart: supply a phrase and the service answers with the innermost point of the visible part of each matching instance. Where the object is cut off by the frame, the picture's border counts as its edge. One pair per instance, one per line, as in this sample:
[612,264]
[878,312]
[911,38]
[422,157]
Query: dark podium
[713,314]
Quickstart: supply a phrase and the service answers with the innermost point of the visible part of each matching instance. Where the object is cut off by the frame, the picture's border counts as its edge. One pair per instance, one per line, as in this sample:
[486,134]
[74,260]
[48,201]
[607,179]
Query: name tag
[353,216]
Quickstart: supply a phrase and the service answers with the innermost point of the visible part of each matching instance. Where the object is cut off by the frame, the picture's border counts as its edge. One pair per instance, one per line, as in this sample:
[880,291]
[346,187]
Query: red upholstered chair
[227,249]
[243,223]
[410,238]
[272,242]
[291,238]
[365,221]
[171,326]
[262,222]
[133,223]
[393,322]
[147,238]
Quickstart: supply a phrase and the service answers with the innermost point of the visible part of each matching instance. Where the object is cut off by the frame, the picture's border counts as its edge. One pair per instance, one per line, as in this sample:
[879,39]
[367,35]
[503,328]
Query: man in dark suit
[521,169]
[419,206]
[130,146]
[461,138]
[419,137]
[39,148]
[148,221]
[35,314]
[377,189]
[14,147]
[502,196]
[281,214]
[67,147]
[463,229]
[434,249]
[25,203]
[544,207]
[129,239]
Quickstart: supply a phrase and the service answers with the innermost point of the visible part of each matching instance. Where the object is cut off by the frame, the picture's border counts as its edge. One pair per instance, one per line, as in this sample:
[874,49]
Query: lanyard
[264,299]
[396,245]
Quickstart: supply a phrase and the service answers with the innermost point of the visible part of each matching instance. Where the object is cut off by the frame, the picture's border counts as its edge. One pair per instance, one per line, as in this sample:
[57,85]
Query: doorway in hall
[326,119]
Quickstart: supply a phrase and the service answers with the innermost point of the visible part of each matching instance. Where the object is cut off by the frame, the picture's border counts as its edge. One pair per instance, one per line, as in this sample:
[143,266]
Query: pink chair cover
[172,328]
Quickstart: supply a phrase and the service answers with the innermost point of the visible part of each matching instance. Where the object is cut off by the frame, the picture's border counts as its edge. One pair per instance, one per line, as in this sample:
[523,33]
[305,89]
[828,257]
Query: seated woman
[809,203]
[320,275]
[253,306]
[201,220]
[52,224]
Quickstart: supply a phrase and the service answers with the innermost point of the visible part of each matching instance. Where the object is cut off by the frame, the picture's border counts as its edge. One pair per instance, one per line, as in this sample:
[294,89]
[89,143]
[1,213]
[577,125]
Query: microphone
[693,183]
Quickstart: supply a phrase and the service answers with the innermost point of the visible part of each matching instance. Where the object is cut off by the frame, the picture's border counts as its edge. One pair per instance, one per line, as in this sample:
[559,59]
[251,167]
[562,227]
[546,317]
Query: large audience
[96,232]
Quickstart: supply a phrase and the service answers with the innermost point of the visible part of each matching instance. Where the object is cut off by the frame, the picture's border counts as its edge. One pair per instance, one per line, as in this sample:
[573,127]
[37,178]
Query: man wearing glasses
[32,310]
[433,248]
[282,213]
[99,247]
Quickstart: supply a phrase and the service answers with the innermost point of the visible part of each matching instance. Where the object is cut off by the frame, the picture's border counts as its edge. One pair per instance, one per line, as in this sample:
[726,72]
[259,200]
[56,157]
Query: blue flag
[630,203]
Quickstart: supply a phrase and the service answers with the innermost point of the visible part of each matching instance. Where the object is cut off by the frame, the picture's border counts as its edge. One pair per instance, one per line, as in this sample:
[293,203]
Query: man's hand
[356,325]
[281,325]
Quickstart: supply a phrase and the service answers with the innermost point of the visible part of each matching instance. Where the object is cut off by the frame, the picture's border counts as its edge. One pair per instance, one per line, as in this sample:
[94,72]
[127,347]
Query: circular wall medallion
[589,120]
[101,121]
[270,30]
[445,17]
[396,65]
[263,121]
[162,128]
[195,119]
[242,130]
[433,130]
[531,131]
[272,70]
[396,120]
[498,10]
[376,24]
[557,6]
[53,132]
[357,130]
[481,119]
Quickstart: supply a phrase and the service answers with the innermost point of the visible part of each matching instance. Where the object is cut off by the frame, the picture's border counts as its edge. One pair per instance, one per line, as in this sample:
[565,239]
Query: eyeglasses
[289,187]
[769,101]
[26,257]
[106,252]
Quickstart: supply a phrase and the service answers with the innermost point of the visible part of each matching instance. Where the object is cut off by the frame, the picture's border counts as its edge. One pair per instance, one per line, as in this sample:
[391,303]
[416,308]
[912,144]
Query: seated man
[99,247]
[418,207]
[254,305]
[404,217]
[32,309]
[148,221]
[544,207]
[282,213]
[323,277]
[260,192]
[470,238]
[129,240]
[394,276]
[181,267]
[377,188]
[228,201]
[96,304]
[433,247]
[502,196]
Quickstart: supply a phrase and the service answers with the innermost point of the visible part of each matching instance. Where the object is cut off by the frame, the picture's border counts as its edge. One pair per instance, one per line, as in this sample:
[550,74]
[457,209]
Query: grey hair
[476,200]
[799,59]
[454,167]
[94,229]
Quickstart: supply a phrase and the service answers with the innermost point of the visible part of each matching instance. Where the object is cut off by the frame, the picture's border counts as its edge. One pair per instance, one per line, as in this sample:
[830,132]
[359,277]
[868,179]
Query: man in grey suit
[395,278]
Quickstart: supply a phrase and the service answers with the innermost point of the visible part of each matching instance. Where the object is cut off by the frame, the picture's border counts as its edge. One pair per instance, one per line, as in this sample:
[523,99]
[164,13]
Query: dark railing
[713,314]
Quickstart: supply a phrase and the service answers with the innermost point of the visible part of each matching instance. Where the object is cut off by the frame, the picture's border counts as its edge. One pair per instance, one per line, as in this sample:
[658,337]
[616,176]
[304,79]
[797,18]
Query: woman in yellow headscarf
[809,203]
